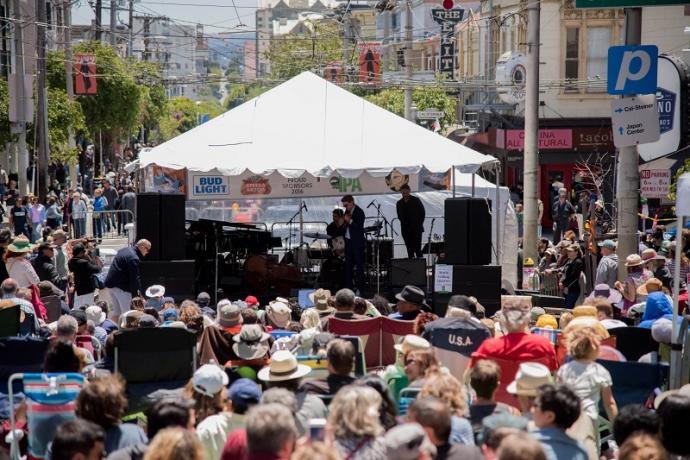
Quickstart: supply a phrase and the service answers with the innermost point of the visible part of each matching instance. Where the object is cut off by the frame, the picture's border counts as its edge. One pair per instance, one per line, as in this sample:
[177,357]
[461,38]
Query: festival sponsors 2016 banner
[215,186]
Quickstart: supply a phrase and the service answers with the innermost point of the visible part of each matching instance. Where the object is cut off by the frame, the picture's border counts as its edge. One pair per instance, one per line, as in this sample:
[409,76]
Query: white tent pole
[473,174]
[452,179]
[497,208]
[301,223]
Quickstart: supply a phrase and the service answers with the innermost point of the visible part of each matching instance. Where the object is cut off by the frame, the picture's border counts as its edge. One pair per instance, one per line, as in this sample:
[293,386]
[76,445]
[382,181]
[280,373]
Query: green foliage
[63,114]
[5,135]
[181,115]
[674,183]
[423,98]
[292,54]
[239,93]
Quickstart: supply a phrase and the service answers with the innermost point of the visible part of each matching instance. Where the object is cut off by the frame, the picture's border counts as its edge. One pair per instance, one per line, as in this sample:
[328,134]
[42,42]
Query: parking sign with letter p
[632,69]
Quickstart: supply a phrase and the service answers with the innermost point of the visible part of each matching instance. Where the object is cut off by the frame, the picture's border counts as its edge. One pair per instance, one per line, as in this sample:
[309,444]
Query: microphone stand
[290,222]
[428,251]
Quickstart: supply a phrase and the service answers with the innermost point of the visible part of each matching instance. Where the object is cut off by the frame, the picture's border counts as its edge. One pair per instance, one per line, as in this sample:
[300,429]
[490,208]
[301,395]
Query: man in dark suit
[354,243]
[411,214]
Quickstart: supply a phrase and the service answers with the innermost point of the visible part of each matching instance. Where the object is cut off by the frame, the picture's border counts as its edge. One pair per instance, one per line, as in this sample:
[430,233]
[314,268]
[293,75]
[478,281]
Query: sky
[217,15]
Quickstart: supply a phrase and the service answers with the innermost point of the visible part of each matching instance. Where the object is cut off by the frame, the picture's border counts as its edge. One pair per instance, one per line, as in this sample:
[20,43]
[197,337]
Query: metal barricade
[549,284]
[106,224]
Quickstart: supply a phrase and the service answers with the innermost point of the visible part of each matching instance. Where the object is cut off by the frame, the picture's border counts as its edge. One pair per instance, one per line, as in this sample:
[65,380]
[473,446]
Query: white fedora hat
[283,366]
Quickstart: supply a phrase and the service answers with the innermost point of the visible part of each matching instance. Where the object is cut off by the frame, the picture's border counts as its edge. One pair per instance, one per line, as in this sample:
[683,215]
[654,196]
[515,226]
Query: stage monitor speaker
[408,271]
[148,222]
[480,281]
[467,231]
[176,275]
[172,228]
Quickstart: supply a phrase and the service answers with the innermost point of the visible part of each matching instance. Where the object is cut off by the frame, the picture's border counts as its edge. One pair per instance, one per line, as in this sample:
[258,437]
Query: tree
[63,114]
[239,93]
[674,182]
[319,44]
[181,115]
[5,133]
[423,98]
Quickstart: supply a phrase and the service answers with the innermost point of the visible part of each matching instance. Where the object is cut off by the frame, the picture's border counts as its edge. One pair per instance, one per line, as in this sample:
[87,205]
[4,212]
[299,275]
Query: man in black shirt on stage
[337,227]
[411,214]
[354,243]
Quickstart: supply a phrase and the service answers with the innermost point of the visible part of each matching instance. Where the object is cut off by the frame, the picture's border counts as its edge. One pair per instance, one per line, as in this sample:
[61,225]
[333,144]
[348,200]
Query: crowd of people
[281,381]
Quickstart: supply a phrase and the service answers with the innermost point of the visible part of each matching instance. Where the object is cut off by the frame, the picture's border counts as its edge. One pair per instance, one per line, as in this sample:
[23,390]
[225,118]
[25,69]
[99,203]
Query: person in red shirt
[517,345]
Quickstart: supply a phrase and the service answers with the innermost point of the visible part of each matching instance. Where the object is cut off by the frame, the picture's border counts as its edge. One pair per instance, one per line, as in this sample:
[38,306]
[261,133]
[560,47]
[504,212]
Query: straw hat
[650,254]
[20,245]
[633,260]
[320,300]
[529,377]
[652,285]
[584,310]
[283,367]
[411,342]
[547,321]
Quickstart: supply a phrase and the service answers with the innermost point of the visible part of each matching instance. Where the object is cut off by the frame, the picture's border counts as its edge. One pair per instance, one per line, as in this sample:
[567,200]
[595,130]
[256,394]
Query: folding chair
[634,342]
[10,320]
[455,342]
[53,307]
[90,343]
[360,361]
[391,332]
[21,355]
[369,332]
[50,400]
[407,396]
[634,382]
[152,359]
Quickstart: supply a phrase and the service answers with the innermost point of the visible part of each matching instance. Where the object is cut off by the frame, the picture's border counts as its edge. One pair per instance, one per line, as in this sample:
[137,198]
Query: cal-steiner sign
[208,186]
[655,183]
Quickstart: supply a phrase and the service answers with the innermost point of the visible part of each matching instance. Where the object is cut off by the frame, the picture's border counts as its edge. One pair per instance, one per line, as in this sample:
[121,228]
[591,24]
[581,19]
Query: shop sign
[655,183]
[666,105]
[593,139]
[549,139]
[256,185]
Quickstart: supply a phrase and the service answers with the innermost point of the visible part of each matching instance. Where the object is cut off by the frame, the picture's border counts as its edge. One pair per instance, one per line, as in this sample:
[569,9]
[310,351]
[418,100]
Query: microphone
[371,204]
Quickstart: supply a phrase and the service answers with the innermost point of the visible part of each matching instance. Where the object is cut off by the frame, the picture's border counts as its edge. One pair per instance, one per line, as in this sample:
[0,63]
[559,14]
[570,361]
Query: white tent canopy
[310,125]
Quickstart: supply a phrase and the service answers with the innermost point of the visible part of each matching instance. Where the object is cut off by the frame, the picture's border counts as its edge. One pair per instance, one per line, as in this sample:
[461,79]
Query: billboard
[85,74]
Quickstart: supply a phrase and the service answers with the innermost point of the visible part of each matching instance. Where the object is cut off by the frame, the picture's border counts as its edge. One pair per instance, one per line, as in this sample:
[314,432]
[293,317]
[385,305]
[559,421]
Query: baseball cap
[608,244]
[169,314]
[209,379]
[251,301]
[405,441]
[203,299]
[244,393]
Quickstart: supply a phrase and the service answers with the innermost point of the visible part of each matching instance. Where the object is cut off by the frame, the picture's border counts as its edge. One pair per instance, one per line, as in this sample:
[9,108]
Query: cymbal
[317,236]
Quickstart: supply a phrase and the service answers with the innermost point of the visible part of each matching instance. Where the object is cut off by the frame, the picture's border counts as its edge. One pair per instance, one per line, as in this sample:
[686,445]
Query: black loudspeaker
[480,281]
[172,217]
[467,231]
[148,222]
[176,275]
[408,271]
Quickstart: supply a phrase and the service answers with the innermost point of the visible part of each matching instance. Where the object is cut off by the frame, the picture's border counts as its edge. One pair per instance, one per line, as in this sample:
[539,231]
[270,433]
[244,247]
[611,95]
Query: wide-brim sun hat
[633,260]
[284,366]
[411,342]
[155,291]
[529,377]
[20,245]
[604,291]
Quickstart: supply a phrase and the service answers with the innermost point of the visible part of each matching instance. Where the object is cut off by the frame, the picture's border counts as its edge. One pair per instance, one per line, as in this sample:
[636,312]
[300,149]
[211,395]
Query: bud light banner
[208,186]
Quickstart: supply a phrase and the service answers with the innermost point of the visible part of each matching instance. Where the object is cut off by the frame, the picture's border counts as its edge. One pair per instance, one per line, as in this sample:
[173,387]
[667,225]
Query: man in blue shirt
[555,410]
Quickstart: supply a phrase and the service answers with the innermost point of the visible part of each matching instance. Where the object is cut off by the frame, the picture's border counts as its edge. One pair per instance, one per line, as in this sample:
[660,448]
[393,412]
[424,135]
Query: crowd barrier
[103,225]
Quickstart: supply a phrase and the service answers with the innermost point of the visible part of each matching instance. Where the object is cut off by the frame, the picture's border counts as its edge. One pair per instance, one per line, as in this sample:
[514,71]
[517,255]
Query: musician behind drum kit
[336,228]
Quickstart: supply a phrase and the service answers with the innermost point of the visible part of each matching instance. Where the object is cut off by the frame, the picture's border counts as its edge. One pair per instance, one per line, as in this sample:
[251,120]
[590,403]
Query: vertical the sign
[85,74]
[447,20]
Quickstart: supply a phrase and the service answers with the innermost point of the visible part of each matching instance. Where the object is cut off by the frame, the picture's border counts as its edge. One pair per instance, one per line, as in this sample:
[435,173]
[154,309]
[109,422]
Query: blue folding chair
[50,401]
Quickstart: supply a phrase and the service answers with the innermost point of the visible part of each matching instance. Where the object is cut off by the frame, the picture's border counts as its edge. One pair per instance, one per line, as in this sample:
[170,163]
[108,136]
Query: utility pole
[67,18]
[19,126]
[531,158]
[42,95]
[131,29]
[408,61]
[147,31]
[99,27]
[627,175]
[346,45]
[113,22]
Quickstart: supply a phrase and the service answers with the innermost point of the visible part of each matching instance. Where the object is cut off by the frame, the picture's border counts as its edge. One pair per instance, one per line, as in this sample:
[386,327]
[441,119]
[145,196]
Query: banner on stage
[208,186]
[443,279]
[165,180]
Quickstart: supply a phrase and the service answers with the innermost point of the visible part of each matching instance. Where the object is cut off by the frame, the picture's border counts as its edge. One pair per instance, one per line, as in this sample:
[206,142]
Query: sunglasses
[411,361]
